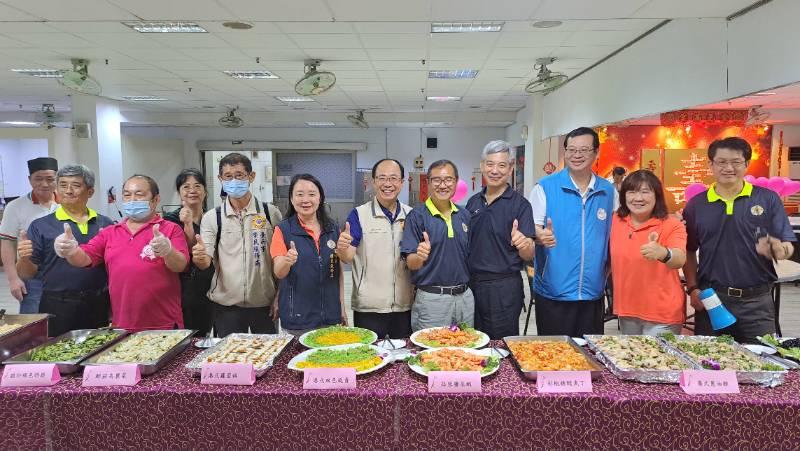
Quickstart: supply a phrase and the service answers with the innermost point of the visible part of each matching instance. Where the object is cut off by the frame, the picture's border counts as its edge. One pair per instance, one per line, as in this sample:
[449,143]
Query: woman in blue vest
[303,253]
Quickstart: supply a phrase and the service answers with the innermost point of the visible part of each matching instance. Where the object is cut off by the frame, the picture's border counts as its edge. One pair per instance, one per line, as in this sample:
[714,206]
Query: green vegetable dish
[722,354]
[69,349]
[360,358]
[786,347]
[338,335]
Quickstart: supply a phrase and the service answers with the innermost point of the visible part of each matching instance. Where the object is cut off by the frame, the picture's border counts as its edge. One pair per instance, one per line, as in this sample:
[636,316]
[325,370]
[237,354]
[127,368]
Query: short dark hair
[234,158]
[732,143]
[184,176]
[619,170]
[148,179]
[402,169]
[634,181]
[322,212]
[581,131]
[440,163]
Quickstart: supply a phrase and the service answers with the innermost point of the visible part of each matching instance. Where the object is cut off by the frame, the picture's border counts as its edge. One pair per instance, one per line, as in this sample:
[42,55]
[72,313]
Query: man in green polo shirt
[740,230]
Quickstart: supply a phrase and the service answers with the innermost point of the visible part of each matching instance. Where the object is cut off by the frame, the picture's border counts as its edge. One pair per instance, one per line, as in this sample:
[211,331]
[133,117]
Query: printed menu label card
[108,375]
[228,374]
[30,375]
[329,378]
[454,382]
[564,381]
[709,381]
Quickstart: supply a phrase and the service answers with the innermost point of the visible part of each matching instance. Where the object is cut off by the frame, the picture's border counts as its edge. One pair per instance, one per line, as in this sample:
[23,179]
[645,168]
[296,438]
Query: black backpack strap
[219,228]
[266,212]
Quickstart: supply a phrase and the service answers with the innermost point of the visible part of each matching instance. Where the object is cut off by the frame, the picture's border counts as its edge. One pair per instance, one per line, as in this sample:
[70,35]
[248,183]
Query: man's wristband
[667,257]
[690,289]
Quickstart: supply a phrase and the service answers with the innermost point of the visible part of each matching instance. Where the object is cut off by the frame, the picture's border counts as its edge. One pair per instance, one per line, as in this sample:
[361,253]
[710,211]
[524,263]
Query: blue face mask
[136,209]
[236,188]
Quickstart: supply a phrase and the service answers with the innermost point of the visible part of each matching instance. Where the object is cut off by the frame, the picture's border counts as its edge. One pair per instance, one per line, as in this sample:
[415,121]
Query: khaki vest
[381,281]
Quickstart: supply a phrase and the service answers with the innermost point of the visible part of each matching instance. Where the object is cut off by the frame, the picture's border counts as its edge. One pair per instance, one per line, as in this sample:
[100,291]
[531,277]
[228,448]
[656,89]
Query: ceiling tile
[447,10]
[326,41]
[583,9]
[280,10]
[533,39]
[188,10]
[51,39]
[89,10]
[610,38]
[316,27]
[464,40]
[368,10]
[397,54]
[392,27]
[328,54]
[669,9]
[258,41]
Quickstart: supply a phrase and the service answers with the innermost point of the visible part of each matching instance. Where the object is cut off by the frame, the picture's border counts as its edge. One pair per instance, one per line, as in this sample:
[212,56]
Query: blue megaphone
[719,315]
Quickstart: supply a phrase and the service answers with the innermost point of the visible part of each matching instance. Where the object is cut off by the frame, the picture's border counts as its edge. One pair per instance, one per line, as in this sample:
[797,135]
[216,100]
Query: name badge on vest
[333,260]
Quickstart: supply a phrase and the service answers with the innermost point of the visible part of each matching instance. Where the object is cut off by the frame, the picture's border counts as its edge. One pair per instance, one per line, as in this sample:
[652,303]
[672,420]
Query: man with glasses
[382,290]
[435,245]
[740,230]
[235,237]
[501,228]
[17,217]
[572,210]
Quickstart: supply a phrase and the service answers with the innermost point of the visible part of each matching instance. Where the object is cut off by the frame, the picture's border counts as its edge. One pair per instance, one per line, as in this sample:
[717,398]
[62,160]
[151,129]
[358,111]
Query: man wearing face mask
[235,237]
[143,255]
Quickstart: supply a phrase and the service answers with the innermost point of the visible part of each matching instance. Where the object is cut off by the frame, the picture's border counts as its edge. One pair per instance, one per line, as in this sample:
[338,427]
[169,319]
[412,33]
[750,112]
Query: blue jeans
[30,302]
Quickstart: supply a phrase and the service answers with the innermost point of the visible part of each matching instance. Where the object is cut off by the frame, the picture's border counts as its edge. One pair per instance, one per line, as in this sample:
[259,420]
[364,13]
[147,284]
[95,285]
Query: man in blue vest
[572,211]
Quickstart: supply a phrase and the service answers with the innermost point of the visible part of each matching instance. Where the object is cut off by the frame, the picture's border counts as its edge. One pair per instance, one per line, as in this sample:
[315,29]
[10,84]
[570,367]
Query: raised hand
[185,214]
[199,255]
[65,244]
[652,250]
[518,239]
[291,255]
[344,238]
[545,235]
[24,246]
[424,247]
[160,244]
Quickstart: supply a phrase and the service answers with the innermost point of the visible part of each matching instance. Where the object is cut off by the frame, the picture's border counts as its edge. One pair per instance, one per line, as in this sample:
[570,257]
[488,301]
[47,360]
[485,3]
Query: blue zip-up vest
[575,269]
[309,294]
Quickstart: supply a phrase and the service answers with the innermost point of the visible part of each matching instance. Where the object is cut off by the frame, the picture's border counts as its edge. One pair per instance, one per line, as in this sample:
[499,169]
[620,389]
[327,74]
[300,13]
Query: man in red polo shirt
[143,256]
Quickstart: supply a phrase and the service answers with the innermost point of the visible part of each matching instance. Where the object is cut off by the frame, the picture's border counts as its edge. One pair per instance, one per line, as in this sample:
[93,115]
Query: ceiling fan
[546,80]
[358,119]
[48,116]
[231,120]
[78,78]
[314,82]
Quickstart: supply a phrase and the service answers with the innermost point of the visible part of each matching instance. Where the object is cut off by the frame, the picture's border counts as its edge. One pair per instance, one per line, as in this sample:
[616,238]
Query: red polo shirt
[145,294]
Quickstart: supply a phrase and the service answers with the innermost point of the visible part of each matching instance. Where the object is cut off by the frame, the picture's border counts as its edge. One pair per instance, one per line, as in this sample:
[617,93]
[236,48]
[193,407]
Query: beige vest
[381,281]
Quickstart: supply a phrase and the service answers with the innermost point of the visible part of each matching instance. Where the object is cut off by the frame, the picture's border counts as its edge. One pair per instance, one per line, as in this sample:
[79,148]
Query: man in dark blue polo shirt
[500,242]
[740,229]
[78,297]
[435,245]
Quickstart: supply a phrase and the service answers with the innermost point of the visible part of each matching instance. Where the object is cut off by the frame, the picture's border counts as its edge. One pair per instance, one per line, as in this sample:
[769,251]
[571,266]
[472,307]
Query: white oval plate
[303,337]
[481,352]
[579,341]
[760,349]
[397,342]
[385,355]
[484,340]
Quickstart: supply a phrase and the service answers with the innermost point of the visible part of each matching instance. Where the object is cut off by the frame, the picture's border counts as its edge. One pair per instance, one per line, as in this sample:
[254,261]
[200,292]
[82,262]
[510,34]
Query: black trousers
[74,310]
[194,301]
[394,324]
[498,304]
[571,318]
[231,319]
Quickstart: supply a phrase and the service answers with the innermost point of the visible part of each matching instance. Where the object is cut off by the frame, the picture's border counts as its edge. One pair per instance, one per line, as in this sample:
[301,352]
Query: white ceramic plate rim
[385,356]
[481,352]
[305,335]
[481,343]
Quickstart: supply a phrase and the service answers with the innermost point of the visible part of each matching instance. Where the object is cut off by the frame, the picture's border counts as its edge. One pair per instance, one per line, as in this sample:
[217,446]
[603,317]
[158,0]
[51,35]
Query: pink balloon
[749,178]
[461,191]
[776,184]
[791,188]
[693,190]
[762,182]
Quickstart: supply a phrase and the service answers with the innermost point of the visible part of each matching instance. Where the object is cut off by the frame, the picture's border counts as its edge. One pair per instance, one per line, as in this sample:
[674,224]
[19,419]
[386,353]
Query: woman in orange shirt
[648,246]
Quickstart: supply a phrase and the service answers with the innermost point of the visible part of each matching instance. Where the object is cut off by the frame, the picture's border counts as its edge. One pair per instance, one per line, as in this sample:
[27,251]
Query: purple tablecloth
[392,409]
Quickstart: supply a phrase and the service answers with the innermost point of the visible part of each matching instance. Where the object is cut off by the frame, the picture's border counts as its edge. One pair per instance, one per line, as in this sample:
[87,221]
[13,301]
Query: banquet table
[391,409]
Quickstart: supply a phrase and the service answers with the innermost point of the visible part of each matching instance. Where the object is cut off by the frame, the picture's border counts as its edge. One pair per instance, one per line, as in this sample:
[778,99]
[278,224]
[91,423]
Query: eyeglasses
[579,150]
[391,179]
[237,176]
[735,164]
[502,166]
[436,181]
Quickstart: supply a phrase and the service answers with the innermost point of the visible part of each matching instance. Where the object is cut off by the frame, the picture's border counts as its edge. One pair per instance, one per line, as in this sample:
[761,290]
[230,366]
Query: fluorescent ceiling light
[250,74]
[760,94]
[20,123]
[40,73]
[294,99]
[466,27]
[321,124]
[144,98]
[453,74]
[165,27]
[444,98]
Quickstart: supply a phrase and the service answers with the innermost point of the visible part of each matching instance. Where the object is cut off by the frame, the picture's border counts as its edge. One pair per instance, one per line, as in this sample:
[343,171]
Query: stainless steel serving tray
[147,367]
[596,370]
[195,365]
[69,366]
[644,376]
[32,333]
[765,378]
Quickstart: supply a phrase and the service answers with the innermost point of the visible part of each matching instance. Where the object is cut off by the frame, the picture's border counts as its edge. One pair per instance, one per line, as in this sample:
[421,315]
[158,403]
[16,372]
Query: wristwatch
[667,257]
[690,289]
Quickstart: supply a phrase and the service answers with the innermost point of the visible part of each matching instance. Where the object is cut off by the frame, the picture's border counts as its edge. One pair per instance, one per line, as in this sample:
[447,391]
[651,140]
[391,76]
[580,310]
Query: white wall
[461,145]
[14,156]
[791,138]
[160,158]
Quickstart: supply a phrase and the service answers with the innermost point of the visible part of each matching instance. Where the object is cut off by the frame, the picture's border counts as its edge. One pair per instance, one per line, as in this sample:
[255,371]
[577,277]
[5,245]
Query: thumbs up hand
[545,235]
[185,214]
[160,244]
[652,250]
[24,246]
[424,247]
[518,239]
[199,255]
[291,255]
[65,244]
[344,238]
